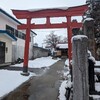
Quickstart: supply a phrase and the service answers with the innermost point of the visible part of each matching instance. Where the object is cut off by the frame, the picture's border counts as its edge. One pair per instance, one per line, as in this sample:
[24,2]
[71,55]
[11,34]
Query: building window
[10,29]
[23,36]
[20,35]
[15,32]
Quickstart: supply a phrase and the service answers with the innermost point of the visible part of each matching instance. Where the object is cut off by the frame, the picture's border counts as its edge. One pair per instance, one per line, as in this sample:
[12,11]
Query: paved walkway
[43,87]
[34,70]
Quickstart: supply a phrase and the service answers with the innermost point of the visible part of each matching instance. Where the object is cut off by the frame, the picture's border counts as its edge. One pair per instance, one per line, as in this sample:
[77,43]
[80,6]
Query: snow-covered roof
[38,9]
[62,46]
[49,8]
[7,15]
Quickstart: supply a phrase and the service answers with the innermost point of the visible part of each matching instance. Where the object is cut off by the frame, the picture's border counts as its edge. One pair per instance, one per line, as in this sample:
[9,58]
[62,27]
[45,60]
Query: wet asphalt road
[44,87]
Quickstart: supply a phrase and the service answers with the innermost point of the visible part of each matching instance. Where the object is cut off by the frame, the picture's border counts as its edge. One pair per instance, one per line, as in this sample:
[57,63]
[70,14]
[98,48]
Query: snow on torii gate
[47,13]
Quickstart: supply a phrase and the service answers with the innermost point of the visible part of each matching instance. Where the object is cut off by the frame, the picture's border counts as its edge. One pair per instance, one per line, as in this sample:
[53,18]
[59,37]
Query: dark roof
[41,48]
[33,32]
[4,32]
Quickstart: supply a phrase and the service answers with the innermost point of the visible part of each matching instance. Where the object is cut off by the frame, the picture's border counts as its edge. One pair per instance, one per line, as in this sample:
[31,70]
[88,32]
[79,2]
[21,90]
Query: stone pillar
[88,29]
[80,68]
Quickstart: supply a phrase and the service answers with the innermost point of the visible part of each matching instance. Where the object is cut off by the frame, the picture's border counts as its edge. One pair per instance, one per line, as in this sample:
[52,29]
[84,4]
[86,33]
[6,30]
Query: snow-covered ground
[10,80]
[39,62]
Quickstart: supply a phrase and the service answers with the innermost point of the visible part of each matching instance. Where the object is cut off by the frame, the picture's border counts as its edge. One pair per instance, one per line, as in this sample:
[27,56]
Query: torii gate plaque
[47,13]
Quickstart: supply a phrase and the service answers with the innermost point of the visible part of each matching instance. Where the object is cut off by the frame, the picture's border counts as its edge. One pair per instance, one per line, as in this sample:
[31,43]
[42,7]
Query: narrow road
[43,87]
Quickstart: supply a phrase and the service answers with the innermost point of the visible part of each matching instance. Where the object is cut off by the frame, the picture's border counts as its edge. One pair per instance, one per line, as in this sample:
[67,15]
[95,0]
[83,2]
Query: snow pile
[92,59]
[66,73]
[65,84]
[95,97]
[97,70]
[97,87]
[89,53]
[62,90]
[10,80]
[88,19]
[67,62]
[97,63]
[78,37]
[62,46]
[39,62]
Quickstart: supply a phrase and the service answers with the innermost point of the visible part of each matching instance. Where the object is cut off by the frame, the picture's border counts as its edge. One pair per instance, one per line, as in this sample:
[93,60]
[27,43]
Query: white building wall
[18,46]
[8,42]
[6,21]
[31,51]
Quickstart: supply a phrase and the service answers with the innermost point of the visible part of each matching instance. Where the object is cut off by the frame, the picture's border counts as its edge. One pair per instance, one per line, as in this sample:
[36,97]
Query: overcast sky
[7,5]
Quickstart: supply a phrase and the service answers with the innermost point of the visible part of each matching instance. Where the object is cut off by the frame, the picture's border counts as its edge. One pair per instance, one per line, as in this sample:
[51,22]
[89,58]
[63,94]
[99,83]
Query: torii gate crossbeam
[47,13]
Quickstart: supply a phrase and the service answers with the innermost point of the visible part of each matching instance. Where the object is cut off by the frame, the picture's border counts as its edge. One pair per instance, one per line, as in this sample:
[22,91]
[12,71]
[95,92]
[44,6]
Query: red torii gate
[47,13]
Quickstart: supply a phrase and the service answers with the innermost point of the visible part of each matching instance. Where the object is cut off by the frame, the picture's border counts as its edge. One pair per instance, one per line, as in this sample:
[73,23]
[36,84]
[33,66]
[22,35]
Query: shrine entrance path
[44,87]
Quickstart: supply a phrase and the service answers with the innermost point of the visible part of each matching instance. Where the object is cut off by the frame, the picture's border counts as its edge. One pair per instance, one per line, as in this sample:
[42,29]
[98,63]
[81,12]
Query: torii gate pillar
[69,30]
[26,50]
